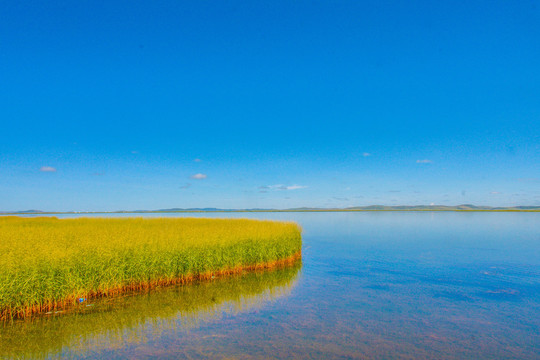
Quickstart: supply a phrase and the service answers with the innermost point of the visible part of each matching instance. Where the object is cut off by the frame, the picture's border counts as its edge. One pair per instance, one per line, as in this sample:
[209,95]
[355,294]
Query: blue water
[372,285]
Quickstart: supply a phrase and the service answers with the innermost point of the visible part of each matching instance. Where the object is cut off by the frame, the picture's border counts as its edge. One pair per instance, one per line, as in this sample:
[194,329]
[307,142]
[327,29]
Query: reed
[130,319]
[48,263]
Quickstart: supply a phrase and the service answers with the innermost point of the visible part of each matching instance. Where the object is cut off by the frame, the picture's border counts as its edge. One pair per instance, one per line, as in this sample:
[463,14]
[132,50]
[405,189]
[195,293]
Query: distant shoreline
[260,211]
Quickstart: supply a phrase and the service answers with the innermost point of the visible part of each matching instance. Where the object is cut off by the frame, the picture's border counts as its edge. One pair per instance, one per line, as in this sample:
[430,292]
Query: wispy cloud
[198,176]
[197,160]
[366,154]
[424,161]
[282,187]
[47,169]
[494,192]
[187,185]
[340,198]
[294,187]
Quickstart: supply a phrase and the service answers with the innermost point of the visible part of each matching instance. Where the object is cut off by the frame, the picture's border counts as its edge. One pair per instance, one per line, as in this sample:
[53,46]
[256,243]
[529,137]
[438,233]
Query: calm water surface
[371,285]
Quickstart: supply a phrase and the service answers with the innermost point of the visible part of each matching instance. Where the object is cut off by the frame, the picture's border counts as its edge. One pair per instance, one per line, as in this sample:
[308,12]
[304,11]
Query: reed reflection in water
[118,322]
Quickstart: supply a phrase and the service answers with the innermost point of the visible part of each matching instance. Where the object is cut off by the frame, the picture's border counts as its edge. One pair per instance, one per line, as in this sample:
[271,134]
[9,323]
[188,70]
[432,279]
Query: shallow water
[404,285]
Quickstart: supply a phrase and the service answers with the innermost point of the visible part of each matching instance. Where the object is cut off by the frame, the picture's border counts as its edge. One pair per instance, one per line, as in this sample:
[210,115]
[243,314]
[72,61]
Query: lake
[371,285]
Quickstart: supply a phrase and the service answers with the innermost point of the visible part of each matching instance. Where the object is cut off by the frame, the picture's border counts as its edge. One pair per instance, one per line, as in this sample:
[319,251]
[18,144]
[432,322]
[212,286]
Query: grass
[48,263]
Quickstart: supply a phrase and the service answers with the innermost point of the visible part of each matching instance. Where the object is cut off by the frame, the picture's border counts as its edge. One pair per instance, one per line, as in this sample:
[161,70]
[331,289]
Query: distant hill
[195,209]
[361,208]
[440,207]
[22,212]
[462,207]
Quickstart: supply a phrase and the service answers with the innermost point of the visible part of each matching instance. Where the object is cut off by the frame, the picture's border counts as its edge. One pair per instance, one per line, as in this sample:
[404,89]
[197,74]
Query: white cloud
[283,187]
[366,154]
[424,161]
[198,176]
[295,187]
[47,169]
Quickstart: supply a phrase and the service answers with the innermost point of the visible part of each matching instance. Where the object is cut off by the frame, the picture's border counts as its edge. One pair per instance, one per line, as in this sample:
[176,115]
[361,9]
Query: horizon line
[460,207]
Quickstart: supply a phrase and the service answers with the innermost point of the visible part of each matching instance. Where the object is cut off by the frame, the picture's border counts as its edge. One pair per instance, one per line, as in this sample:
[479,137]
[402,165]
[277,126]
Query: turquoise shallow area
[403,285]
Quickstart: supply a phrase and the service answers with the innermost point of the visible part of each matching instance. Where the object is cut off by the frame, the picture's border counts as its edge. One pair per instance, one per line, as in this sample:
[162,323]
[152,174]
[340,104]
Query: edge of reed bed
[10,314]
[277,245]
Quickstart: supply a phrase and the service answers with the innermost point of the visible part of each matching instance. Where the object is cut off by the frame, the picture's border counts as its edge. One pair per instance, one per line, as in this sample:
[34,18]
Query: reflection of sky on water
[386,285]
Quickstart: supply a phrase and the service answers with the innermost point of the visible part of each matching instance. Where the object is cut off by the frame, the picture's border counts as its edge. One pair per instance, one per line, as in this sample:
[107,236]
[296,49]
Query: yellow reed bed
[47,263]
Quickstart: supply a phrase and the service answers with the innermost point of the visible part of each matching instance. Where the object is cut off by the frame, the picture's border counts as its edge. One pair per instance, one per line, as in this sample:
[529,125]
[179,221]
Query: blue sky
[158,104]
